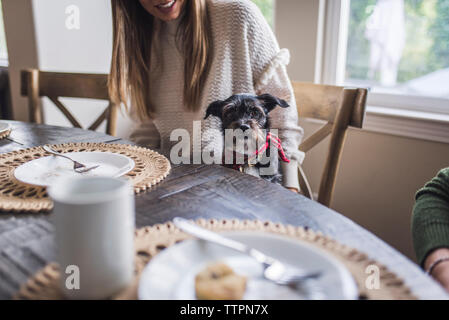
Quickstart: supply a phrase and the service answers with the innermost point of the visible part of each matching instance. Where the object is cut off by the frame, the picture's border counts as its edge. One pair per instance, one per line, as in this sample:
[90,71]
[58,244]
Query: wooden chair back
[53,85]
[340,107]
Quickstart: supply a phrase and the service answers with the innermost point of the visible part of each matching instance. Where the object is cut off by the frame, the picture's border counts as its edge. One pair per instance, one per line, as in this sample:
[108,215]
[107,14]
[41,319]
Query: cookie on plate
[219,282]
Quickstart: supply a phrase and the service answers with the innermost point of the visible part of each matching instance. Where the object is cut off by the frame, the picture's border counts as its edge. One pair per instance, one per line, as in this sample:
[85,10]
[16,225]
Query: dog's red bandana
[271,139]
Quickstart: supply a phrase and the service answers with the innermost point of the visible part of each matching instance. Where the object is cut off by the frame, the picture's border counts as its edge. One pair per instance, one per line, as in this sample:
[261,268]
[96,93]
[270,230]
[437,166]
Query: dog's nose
[244,127]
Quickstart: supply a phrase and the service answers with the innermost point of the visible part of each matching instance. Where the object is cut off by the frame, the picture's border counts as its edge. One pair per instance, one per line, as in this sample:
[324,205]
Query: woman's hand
[293,189]
[441,271]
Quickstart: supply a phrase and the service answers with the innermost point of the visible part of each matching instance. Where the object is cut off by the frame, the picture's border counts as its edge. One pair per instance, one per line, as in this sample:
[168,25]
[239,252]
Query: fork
[77,166]
[274,270]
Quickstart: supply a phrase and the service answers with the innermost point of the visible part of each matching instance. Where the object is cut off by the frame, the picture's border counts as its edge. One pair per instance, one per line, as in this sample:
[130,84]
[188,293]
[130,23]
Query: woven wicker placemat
[150,168]
[149,241]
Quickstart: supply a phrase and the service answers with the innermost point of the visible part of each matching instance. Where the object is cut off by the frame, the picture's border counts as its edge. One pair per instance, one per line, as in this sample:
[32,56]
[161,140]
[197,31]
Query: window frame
[334,61]
[408,116]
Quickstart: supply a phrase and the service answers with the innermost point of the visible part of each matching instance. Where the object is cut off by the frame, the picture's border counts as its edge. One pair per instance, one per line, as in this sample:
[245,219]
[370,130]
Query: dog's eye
[254,114]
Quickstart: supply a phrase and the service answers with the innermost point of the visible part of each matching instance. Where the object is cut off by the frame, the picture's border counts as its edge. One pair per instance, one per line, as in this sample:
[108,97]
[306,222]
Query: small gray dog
[249,115]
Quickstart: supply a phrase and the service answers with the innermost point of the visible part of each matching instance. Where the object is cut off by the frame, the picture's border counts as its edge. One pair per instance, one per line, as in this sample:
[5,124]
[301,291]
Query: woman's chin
[168,17]
[171,18]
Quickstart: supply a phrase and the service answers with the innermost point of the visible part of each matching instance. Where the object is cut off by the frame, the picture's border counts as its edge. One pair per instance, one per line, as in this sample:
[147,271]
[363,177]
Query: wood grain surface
[193,192]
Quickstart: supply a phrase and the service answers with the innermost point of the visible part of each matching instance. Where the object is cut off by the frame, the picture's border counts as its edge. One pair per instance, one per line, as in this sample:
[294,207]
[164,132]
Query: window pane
[399,46]
[267,8]
[3,49]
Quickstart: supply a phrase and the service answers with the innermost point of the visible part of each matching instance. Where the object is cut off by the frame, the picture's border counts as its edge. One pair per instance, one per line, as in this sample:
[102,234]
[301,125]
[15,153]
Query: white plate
[43,171]
[170,275]
[4,127]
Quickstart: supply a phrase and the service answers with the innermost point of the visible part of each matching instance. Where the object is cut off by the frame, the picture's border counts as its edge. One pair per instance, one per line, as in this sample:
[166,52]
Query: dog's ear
[215,109]
[270,102]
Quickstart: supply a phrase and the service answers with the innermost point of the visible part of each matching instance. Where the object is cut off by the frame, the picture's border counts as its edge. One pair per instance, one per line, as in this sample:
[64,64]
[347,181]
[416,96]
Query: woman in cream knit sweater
[172,58]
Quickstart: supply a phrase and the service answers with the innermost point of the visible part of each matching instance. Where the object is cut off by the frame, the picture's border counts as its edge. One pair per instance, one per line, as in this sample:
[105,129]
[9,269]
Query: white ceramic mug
[94,226]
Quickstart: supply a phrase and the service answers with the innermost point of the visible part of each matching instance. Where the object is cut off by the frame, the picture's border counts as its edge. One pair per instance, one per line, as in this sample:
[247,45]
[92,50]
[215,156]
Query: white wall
[298,28]
[378,178]
[86,50]
[22,49]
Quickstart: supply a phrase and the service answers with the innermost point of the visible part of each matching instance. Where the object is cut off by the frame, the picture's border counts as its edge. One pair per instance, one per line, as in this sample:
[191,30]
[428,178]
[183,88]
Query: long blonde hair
[133,29]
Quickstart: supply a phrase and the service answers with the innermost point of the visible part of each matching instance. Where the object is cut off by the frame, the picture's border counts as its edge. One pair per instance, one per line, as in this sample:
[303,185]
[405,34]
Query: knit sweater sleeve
[430,221]
[270,76]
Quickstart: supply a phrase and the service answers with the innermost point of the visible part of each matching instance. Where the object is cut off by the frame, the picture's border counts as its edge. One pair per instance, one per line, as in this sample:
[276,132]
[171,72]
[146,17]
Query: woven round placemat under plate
[150,168]
[5,134]
[149,241]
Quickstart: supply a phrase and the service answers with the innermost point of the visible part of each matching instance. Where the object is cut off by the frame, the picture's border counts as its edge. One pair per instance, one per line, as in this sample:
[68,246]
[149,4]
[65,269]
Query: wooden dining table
[190,191]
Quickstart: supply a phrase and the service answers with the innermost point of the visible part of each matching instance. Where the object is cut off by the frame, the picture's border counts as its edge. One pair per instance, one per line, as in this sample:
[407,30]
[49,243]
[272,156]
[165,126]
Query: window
[267,8]
[398,48]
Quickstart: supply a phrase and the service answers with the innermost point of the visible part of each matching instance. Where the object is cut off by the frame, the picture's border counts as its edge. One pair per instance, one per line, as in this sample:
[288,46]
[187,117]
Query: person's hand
[293,189]
[441,274]
[441,271]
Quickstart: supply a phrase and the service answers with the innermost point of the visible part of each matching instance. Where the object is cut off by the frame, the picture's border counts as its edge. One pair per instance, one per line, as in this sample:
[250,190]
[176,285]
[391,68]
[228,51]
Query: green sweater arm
[430,220]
